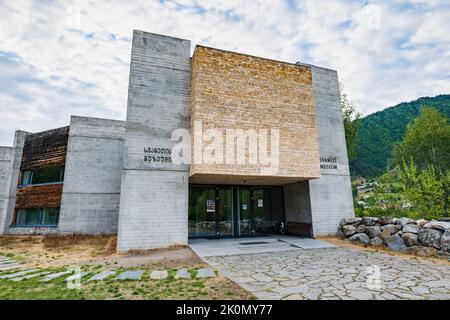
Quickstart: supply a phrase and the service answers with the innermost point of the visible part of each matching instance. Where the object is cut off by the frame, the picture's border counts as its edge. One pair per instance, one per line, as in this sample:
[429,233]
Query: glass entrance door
[244,211]
[210,211]
[202,211]
[225,211]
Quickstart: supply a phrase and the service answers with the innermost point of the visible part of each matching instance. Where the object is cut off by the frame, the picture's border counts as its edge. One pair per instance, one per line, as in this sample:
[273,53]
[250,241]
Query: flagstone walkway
[334,273]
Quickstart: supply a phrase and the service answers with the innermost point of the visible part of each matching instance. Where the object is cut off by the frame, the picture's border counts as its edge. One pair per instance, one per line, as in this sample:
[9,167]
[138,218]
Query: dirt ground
[50,251]
[351,245]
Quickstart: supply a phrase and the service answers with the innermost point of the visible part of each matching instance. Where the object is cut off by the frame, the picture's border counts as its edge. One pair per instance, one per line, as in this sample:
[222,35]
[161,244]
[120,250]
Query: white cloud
[72,57]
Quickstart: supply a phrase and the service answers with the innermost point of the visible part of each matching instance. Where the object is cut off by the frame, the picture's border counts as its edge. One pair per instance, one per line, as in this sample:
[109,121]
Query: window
[50,216]
[26,178]
[37,217]
[42,175]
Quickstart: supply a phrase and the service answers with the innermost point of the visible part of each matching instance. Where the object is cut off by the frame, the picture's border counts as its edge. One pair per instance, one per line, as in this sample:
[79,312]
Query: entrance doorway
[234,211]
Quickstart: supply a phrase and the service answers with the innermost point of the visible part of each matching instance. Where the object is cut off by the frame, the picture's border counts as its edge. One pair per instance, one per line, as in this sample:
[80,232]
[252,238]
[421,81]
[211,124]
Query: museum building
[217,144]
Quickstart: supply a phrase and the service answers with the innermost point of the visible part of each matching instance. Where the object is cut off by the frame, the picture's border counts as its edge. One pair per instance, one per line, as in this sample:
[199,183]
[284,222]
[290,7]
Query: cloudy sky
[71,57]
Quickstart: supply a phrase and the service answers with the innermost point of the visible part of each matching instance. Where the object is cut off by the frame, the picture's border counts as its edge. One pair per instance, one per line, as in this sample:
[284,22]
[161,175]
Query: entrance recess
[234,211]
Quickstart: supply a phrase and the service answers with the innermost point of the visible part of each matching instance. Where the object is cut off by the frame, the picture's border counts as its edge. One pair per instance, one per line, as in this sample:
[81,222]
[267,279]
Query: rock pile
[419,237]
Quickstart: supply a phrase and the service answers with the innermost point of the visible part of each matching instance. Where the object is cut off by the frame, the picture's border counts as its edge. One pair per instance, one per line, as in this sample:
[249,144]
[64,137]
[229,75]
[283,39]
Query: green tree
[351,121]
[427,141]
[424,190]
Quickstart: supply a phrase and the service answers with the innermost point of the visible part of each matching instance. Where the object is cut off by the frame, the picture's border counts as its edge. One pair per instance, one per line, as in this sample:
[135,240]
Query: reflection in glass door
[225,212]
[244,214]
[202,212]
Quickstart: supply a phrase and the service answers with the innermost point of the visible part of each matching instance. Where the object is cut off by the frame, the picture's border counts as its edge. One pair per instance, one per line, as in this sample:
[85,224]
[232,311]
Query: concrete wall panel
[10,199]
[330,195]
[91,193]
[154,194]
[6,165]
[153,209]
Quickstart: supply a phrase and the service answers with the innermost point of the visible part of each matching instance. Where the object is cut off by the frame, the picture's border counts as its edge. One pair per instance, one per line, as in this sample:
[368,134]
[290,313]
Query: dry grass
[56,250]
[53,250]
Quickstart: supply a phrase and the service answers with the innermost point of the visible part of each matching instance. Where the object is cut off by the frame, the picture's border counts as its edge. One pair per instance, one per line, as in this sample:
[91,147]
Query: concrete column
[331,194]
[10,159]
[6,157]
[154,192]
[93,173]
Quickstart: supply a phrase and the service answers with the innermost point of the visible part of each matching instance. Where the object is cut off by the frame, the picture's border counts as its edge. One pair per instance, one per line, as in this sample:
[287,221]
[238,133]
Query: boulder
[438,225]
[345,221]
[405,221]
[389,230]
[430,237]
[376,242]
[369,221]
[421,222]
[348,230]
[373,231]
[410,239]
[361,229]
[422,251]
[445,241]
[384,221]
[340,234]
[395,243]
[411,228]
[360,237]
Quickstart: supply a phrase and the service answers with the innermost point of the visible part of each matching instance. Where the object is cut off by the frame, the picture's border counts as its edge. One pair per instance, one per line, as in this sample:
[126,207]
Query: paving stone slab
[18,274]
[130,275]
[205,273]
[77,276]
[183,274]
[55,275]
[11,267]
[30,276]
[159,274]
[102,275]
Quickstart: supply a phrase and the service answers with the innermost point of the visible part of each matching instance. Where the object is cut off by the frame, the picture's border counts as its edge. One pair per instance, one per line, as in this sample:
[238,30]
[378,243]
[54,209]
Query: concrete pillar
[10,159]
[154,193]
[92,178]
[331,194]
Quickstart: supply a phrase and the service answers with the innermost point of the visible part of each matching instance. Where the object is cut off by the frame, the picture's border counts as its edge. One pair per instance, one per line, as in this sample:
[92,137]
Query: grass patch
[110,289]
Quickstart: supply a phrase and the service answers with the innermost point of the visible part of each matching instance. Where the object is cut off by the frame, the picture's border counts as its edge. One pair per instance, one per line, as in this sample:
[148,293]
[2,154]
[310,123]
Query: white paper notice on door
[260,203]
[210,205]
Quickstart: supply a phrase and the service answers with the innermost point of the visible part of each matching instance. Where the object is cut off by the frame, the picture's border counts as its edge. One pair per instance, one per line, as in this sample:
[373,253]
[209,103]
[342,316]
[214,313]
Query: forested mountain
[379,132]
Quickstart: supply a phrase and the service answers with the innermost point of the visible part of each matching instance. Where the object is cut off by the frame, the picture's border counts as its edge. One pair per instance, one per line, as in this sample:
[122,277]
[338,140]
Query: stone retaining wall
[420,237]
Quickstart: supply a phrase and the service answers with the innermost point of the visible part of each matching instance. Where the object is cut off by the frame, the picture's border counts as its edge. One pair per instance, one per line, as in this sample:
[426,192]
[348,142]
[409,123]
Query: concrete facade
[15,157]
[120,177]
[154,194]
[331,194]
[6,166]
[91,193]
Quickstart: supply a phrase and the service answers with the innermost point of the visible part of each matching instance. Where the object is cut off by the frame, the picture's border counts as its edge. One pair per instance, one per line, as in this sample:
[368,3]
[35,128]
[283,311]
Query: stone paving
[14,274]
[334,273]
